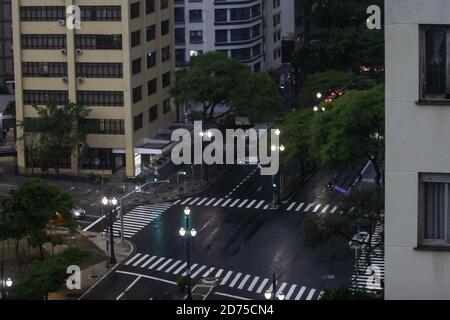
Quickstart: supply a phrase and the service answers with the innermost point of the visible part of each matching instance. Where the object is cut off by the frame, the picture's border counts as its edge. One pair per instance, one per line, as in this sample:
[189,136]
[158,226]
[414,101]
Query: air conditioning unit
[78,52]
[64,51]
[62,23]
[65,79]
[80,79]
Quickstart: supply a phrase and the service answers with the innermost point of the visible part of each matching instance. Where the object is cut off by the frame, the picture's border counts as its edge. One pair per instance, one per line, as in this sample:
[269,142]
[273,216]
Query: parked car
[78,213]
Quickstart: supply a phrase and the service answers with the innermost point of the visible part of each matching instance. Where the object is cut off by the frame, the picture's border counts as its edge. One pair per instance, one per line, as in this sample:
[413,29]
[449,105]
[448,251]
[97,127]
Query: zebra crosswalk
[228,278]
[262,205]
[371,277]
[138,218]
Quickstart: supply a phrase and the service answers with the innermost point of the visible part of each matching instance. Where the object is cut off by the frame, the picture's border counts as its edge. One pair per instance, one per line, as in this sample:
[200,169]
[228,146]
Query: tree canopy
[213,79]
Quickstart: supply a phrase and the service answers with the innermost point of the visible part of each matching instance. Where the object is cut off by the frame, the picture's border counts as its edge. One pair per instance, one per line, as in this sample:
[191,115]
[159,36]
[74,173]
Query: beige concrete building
[119,63]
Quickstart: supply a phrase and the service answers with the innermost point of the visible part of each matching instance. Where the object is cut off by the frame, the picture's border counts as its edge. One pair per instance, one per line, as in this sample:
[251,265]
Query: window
[135,10]
[151,33]
[434,204]
[100,98]
[166,79]
[152,86]
[136,66]
[165,54]
[180,36]
[221,35]
[164,4]
[62,161]
[195,16]
[98,158]
[43,97]
[167,106]
[151,60]
[149,6]
[153,113]
[220,15]
[179,15]
[137,94]
[196,36]
[101,13]
[435,81]
[103,126]
[165,27]
[98,41]
[135,38]
[240,34]
[138,122]
[44,69]
[42,13]
[43,41]
[99,70]
[240,14]
[180,57]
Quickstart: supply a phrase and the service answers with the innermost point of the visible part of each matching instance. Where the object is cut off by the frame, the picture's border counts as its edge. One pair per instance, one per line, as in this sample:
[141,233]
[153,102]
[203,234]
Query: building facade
[119,64]
[250,31]
[6,53]
[417,239]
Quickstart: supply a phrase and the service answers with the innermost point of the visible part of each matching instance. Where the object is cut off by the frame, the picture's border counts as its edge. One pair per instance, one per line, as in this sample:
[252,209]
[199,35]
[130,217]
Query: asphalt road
[241,244]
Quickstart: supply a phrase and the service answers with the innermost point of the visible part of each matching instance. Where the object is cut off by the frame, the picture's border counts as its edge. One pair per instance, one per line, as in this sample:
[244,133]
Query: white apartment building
[250,30]
[417,240]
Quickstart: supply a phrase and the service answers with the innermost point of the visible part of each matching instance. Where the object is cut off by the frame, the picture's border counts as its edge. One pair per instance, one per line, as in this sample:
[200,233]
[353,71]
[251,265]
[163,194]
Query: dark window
[44,69]
[138,122]
[98,158]
[165,54]
[240,34]
[43,41]
[164,4]
[153,113]
[100,98]
[196,36]
[165,27]
[42,13]
[135,38]
[166,79]
[98,42]
[103,126]
[151,59]
[99,70]
[180,36]
[240,14]
[43,97]
[195,15]
[101,13]
[180,57]
[221,35]
[220,15]
[179,15]
[149,6]
[137,94]
[152,86]
[167,106]
[135,10]
[136,66]
[151,33]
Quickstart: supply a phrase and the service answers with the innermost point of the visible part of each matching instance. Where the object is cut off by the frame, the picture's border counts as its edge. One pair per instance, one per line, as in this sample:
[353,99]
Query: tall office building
[417,149]
[232,27]
[6,53]
[119,64]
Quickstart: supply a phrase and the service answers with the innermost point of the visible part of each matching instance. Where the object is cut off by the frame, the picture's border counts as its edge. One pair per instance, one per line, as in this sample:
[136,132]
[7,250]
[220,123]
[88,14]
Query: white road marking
[243,282]
[203,200]
[94,223]
[196,273]
[140,260]
[180,268]
[132,259]
[243,203]
[291,206]
[230,296]
[218,202]
[128,288]
[253,284]
[291,291]
[156,263]
[251,204]
[325,208]
[186,201]
[164,265]
[334,209]
[317,208]
[300,293]
[148,261]
[234,203]
[261,287]
[259,204]
[210,201]
[236,278]
[173,266]
[145,276]
[194,201]
[311,293]
[227,276]
[300,206]
[309,207]
[219,273]
[226,202]
[280,290]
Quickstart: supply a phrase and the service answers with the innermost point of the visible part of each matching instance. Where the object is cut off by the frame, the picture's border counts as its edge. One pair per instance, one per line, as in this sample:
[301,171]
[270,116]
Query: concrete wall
[417,140]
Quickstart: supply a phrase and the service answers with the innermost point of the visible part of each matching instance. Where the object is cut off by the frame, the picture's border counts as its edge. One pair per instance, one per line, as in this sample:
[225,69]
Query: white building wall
[417,141]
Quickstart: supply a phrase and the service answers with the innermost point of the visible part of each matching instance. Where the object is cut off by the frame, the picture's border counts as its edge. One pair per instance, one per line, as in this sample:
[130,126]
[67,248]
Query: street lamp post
[272,295]
[276,178]
[187,234]
[111,205]
[203,134]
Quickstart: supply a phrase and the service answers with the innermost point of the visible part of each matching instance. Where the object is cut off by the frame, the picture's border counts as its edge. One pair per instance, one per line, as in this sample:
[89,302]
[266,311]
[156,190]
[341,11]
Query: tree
[350,130]
[30,209]
[209,79]
[256,96]
[362,211]
[43,277]
[60,133]
[10,108]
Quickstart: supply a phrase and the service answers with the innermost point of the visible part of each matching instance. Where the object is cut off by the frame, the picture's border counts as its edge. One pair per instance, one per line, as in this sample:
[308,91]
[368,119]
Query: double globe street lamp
[188,234]
[111,205]
[273,295]
[6,285]
[276,178]
[209,135]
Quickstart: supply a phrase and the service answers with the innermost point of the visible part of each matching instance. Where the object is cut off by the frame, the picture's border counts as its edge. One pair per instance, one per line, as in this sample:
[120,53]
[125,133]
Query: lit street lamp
[6,285]
[272,295]
[319,95]
[276,178]
[188,234]
[111,205]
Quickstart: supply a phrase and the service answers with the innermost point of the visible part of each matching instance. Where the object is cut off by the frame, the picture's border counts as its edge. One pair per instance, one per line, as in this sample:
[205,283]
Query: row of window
[63,161]
[150,7]
[59,69]
[150,33]
[152,87]
[59,41]
[54,13]
[103,126]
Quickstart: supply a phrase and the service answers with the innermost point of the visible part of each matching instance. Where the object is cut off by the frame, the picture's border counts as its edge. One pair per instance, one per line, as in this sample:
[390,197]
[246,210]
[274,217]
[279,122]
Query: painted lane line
[140,260]
[196,273]
[226,202]
[234,203]
[243,282]
[300,206]
[300,293]
[132,259]
[291,291]
[253,284]
[210,201]
[173,266]
[325,209]
[177,202]
[194,201]
[251,204]
[200,203]
[310,295]
[262,285]
[227,276]
[236,278]
[156,263]
[180,268]
[259,204]
[243,203]
[218,202]
[164,265]
[94,223]
[145,276]
[291,206]
[128,288]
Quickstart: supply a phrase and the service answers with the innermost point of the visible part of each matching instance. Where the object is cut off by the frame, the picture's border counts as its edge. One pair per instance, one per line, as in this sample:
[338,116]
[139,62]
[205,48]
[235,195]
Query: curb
[109,272]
